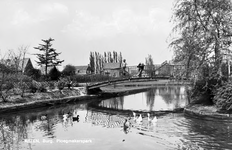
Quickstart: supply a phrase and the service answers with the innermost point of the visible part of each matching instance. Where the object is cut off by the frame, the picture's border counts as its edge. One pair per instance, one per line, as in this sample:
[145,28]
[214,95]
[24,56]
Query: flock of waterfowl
[138,119]
[75,117]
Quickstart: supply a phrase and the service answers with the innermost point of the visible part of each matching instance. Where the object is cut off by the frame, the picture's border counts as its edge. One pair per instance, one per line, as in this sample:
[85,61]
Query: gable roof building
[81,70]
[112,69]
[25,64]
[111,66]
[21,65]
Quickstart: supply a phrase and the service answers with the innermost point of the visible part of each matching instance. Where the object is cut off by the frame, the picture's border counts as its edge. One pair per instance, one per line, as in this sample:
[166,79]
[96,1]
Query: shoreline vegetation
[56,97]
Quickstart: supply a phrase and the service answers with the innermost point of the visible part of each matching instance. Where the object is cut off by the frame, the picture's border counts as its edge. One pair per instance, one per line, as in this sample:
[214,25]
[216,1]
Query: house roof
[81,67]
[112,66]
[23,63]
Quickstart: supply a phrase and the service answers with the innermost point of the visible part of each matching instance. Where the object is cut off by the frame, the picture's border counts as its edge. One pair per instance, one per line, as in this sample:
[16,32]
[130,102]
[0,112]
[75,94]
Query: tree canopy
[48,58]
[204,30]
[69,70]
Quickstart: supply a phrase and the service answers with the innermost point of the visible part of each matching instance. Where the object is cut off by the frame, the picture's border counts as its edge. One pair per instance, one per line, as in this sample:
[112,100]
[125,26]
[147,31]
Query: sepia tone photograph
[115,74]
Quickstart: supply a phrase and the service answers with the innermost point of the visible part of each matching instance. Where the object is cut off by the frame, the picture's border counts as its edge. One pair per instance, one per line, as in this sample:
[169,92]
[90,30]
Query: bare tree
[6,72]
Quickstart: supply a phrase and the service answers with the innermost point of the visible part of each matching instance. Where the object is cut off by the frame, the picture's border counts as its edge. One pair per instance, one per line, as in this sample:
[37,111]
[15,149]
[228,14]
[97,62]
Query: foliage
[206,86]
[69,70]
[48,58]
[51,85]
[97,60]
[149,65]
[204,39]
[38,86]
[34,73]
[205,33]
[34,86]
[43,87]
[54,74]
[223,97]
[61,83]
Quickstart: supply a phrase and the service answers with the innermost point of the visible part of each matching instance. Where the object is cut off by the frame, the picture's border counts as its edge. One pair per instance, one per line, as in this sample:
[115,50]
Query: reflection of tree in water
[115,103]
[170,95]
[13,131]
[167,94]
[14,128]
[48,126]
[104,119]
[150,98]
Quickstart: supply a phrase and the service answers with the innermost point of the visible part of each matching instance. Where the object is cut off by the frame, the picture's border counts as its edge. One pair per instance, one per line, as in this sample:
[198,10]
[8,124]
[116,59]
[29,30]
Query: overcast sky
[134,27]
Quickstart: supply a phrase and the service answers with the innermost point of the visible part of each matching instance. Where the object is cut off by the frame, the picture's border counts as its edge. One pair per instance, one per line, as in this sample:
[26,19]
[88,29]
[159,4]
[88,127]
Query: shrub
[69,70]
[51,85]
[205,88]
[43,87]
[61,84]
[34,73]
[54,74]
[34,86]
[223,97]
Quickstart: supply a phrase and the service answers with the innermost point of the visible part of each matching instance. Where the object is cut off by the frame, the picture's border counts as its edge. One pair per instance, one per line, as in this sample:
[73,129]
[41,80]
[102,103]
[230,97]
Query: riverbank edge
[57,101]
[194,110]
[44,103]
[206,112]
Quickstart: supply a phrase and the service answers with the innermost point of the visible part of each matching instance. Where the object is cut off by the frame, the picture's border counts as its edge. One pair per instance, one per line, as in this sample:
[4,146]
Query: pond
[100,125]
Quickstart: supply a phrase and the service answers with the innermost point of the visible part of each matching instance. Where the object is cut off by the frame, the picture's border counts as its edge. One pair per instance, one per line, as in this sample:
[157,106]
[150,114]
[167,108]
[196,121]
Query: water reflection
[47,128]
[156,99]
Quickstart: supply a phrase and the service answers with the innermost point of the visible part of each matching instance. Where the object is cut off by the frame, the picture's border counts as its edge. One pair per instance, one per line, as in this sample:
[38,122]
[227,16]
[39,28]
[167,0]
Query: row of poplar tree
[98,60]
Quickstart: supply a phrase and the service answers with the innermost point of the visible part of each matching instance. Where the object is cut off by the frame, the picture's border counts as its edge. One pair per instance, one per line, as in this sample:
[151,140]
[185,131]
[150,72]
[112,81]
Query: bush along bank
[214,102]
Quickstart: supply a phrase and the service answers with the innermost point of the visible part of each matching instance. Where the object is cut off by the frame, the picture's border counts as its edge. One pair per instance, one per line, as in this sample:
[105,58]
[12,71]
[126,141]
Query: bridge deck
[125,80]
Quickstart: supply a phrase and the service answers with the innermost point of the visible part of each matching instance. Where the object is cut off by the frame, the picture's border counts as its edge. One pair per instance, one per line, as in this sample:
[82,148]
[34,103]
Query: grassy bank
[207,113]
[203,109]
[40,99]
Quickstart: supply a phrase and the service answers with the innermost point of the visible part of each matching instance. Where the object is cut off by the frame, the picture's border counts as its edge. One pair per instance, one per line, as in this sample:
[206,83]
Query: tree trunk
[218,60]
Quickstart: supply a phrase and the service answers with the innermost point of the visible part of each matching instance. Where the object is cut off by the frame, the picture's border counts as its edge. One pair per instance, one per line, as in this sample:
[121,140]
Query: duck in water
[154,120]
[134,115]
[139,119]
[126,126]
[76,118]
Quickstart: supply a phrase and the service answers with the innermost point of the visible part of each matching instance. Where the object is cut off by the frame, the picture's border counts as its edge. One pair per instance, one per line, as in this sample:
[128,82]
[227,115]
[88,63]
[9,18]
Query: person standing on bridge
[124,64]
[140,69]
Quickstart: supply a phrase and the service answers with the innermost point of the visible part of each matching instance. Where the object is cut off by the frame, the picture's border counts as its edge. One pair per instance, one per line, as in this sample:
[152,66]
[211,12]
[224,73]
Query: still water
[100,125]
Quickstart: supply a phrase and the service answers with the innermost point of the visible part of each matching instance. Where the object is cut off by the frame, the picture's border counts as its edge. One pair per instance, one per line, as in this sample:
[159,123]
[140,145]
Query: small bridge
[96,87]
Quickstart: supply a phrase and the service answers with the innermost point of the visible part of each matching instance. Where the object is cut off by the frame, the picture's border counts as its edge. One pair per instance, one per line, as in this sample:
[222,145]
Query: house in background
[112,69]
[133,70]
[42,69]
[25,65]
[81,70]
[169,68]
[22,65]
